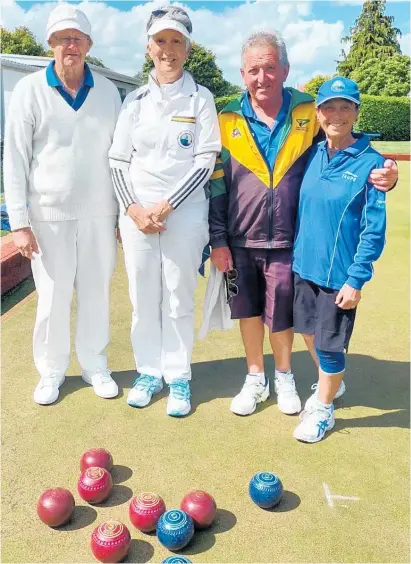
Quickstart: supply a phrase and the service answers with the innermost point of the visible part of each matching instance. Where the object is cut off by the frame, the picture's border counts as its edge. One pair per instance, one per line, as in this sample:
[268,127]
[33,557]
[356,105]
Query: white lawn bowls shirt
[165,144]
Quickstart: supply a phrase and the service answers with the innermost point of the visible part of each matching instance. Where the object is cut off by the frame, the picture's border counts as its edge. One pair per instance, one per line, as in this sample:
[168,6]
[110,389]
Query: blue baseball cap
[338,87]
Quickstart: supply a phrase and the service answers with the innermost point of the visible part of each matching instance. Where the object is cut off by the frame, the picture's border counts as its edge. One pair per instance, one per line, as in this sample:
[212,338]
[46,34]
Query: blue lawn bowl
[265,489]
[175,529]
[176,560]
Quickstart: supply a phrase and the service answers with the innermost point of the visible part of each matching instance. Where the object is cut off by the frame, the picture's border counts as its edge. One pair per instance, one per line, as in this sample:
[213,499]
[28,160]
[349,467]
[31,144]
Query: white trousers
[162,271]
[80,255]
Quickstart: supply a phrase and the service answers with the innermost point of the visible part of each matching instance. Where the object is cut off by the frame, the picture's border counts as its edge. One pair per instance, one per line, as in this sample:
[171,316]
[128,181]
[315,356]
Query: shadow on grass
[83,516]
[206,539]
[118,496]
[373,383]
[140,551]
[288,502]
[15,295]
[120,473]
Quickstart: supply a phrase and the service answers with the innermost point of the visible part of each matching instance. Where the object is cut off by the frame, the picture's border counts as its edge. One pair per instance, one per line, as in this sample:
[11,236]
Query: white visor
[165,23]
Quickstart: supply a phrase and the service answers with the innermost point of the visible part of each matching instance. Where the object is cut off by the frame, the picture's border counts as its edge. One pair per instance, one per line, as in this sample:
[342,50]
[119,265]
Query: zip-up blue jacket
[341,217]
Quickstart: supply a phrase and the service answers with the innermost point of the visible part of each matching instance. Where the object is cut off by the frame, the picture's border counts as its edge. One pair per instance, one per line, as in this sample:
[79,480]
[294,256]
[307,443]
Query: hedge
[387,115]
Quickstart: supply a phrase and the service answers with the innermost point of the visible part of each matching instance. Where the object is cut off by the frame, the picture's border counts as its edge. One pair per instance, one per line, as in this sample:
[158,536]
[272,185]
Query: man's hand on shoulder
[384,179]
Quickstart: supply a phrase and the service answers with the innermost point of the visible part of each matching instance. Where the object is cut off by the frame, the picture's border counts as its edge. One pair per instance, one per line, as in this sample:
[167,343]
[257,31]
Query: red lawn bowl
[145,510]
[110,541]
[55,506]
[96,457]
[201,507]
[95,484]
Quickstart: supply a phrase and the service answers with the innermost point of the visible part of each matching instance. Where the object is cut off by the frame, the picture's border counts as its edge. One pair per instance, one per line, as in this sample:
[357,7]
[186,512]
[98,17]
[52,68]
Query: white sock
[261,376]
[280,373]
[322,404]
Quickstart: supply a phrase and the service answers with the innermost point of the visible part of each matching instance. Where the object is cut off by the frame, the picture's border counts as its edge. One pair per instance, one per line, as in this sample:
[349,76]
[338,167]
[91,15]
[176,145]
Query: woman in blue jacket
[340,233]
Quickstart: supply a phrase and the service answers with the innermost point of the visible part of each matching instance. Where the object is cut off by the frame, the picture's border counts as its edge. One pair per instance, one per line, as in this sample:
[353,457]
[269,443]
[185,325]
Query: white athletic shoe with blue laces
[314,397]
[143,390]
[178,403]
[315,422]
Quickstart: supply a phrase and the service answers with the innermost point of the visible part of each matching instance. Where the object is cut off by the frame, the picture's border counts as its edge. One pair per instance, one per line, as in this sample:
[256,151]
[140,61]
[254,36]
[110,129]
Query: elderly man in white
[163,154]
[61,202]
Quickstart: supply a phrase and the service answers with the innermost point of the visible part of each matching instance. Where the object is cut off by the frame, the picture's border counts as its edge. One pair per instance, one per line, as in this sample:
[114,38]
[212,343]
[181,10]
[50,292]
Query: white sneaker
[314,397]
[315,422]
[178,403]
[288,400]
[103,384]
[47,390]
[143,389]
[253,392]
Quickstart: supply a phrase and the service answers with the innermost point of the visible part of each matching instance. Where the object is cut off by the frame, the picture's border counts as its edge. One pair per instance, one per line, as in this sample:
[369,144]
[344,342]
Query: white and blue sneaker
[254,391]
[178,403]
[143,390]
[315,422]
[314,397]
[288,400]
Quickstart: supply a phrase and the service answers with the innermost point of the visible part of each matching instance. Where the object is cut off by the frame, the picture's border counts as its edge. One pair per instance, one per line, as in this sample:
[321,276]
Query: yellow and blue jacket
[252,203]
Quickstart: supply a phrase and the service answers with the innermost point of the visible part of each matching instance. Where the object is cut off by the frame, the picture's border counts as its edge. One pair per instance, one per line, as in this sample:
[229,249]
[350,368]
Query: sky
[312,30]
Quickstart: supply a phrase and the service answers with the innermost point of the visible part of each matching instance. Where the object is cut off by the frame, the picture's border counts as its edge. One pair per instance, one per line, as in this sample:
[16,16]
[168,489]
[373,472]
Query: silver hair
[266,37]
[186,40]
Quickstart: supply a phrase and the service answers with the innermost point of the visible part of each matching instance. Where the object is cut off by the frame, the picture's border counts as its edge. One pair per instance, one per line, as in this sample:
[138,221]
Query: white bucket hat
[67,16]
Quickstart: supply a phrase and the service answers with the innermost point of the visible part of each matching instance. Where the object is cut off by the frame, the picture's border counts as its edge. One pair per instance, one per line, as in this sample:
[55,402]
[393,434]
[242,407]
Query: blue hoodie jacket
[341,217]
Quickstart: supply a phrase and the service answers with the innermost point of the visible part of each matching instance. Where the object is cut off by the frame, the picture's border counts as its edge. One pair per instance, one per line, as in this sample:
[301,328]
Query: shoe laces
[286,385]
[180,389]
[253,383]
[314,386]
[145,383]
[316,414]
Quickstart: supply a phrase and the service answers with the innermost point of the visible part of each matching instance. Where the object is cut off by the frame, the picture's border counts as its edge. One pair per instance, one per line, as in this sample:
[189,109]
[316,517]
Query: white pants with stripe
[162,271]
[74,255]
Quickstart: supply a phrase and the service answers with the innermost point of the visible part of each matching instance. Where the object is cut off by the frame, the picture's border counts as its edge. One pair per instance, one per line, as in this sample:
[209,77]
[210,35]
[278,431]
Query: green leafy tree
[95,61]
[201,63]
[314,84]
[21,41]
[384,77]
[372,36]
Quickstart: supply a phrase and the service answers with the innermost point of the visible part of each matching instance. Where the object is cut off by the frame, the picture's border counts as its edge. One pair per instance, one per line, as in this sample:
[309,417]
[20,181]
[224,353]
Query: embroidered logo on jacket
[185,139]
[302,124]
[235,133]
[347,175]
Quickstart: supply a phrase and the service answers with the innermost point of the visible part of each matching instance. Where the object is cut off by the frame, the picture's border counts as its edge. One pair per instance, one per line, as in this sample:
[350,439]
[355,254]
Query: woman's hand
[384,178]
[222,259]
[347,297]
[144,220]
[25,241]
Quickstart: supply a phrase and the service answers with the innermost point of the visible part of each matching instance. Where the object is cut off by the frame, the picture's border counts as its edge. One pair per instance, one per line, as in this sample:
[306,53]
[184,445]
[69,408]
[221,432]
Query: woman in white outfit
[164,149]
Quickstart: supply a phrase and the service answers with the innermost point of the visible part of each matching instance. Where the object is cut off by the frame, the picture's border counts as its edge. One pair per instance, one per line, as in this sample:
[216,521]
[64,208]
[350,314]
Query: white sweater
[55,158]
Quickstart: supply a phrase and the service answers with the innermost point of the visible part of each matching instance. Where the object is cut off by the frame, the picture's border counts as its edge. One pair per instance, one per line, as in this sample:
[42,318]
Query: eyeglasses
[70,40]
[231,288]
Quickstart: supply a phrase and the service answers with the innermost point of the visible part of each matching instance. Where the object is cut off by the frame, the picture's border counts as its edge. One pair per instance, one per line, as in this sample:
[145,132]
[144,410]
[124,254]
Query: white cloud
[119,37]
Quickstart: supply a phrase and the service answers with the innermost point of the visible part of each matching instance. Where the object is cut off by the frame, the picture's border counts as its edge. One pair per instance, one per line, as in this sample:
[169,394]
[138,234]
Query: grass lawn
[402,147]
[366,456]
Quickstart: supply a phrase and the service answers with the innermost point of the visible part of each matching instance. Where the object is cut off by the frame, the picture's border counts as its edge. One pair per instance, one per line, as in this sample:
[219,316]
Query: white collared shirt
[165,143]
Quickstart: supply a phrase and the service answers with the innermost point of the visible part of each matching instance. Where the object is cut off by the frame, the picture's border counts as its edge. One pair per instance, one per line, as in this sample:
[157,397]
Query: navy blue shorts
[315,313]
[264,286]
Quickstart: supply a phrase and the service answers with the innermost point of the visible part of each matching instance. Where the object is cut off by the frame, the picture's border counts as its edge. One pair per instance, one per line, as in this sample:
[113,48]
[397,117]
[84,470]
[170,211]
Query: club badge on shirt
[185,139]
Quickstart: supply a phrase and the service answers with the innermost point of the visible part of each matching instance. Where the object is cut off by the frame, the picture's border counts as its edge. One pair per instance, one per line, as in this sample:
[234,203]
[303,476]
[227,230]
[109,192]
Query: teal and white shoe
[315,422]
[314,397]
[144,388]
[178,403]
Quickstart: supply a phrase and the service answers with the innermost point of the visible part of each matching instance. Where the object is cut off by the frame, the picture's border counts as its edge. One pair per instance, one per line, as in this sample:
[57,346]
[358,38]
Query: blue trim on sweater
[54,81]
[341,217]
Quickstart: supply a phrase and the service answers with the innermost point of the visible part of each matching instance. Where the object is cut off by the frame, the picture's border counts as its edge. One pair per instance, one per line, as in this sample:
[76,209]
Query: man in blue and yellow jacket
[266,134]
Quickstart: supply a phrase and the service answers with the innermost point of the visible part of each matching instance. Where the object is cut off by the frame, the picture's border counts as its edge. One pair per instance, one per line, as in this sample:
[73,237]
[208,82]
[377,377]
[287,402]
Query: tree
[21,41]
[314,84]
[372,36]
[384,77]
[95,61]
[201,63]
